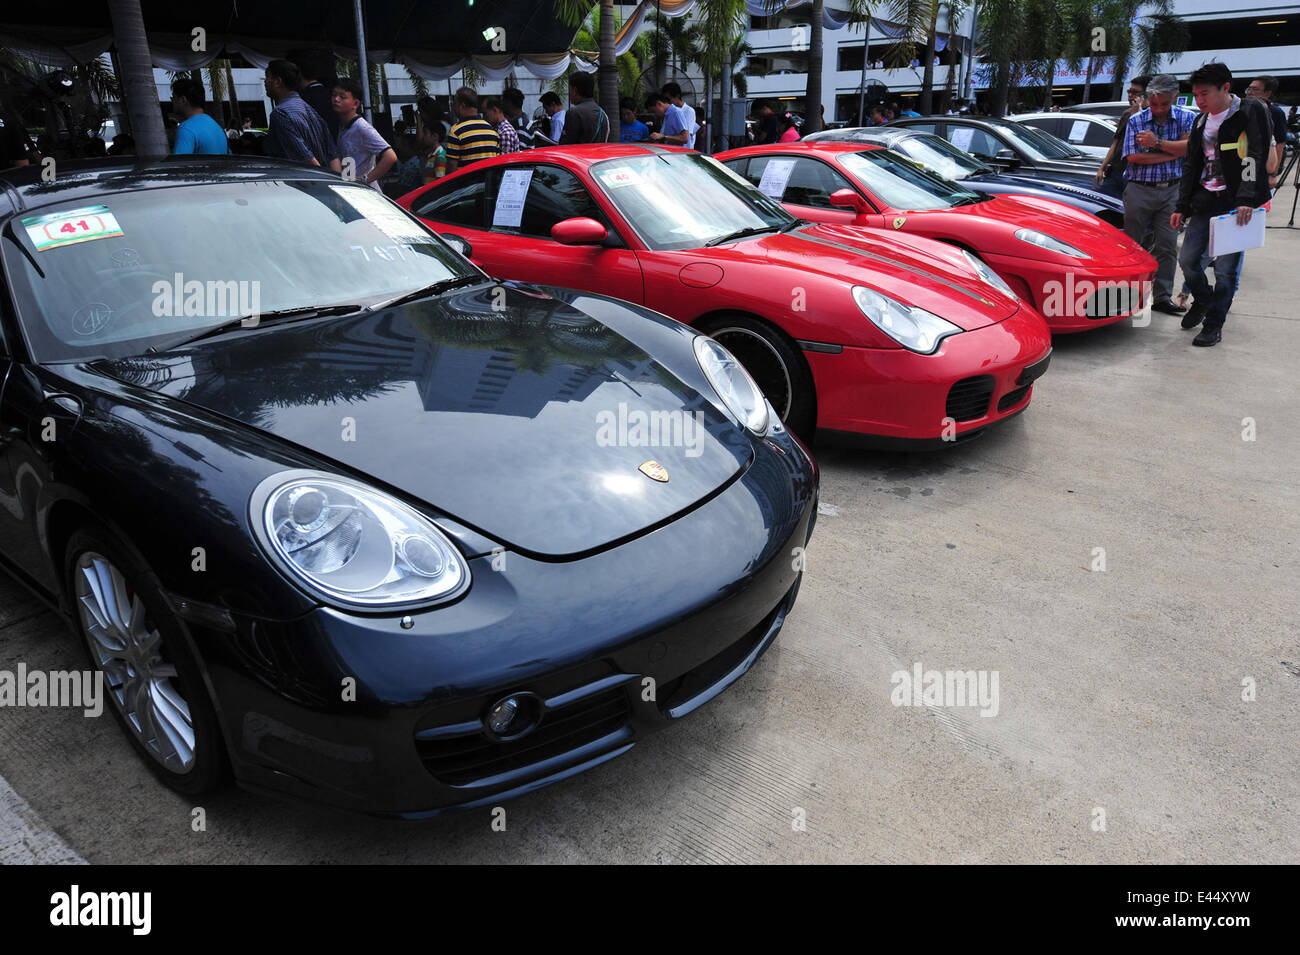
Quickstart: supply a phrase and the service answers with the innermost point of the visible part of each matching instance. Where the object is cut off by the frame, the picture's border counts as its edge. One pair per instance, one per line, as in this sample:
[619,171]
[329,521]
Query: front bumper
[895,398]
[613,645]
[1077,298]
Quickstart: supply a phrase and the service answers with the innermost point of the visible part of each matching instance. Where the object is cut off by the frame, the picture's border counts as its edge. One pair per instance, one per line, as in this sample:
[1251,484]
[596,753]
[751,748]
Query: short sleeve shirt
[201,134]
[673,125]
[362,143]
[471,140]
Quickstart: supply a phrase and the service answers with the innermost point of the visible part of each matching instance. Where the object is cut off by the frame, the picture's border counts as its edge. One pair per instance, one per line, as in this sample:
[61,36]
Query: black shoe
[1209,335]
[1195,315]
[1168,307]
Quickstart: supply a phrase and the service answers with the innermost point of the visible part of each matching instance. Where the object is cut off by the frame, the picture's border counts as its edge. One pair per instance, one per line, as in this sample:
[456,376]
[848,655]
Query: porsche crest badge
[654,471]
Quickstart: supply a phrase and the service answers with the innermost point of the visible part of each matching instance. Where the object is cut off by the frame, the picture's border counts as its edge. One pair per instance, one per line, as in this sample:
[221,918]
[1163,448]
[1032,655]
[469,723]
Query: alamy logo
[71,688]
[651,429]
[209,299]
[923,687]
[74,907]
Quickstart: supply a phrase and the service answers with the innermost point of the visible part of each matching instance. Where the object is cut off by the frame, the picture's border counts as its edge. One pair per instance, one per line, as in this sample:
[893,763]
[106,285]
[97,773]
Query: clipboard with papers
[1226,237]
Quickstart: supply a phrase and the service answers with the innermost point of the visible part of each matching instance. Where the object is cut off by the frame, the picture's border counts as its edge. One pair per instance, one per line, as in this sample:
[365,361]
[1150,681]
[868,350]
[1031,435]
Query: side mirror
[459,243]
[848,199]
[579,231]
[1007,156]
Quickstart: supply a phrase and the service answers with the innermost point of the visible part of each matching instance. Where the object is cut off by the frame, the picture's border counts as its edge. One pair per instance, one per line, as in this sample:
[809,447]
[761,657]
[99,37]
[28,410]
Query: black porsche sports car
[335,512]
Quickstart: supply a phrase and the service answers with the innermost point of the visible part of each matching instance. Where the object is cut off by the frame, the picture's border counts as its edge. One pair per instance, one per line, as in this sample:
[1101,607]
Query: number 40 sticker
[68,228]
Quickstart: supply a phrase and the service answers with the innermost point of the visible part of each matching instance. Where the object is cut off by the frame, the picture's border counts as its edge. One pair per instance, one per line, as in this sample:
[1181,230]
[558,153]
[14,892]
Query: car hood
[1049,185]
[527,422]
[1105,244]
[913,269]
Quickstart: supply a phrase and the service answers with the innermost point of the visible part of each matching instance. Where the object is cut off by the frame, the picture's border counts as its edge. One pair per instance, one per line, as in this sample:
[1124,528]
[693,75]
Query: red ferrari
[1077,271]
[893,339]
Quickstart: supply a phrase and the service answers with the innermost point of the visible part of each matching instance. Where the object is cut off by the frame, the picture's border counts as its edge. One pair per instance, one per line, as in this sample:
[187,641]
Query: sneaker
[1195,315]
[1209,335]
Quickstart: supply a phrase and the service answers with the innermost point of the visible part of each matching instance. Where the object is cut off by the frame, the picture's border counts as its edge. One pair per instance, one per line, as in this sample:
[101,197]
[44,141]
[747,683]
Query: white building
[1252,37]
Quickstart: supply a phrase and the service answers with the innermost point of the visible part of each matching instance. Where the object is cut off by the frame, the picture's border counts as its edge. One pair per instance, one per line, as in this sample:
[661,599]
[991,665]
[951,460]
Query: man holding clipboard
[1225,173]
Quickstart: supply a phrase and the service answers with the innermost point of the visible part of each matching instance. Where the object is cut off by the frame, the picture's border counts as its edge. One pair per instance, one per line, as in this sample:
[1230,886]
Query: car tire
[152,679]
[775,364]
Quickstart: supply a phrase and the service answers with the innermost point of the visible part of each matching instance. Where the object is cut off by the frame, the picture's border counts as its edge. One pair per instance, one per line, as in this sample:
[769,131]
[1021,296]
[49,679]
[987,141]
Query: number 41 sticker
[68,228]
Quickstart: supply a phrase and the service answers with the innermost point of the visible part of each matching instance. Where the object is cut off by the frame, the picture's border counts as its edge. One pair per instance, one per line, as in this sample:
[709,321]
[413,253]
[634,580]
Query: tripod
[1289,163]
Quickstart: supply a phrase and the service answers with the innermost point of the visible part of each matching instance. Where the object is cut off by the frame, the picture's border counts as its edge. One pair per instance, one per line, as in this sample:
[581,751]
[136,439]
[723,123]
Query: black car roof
[23,188]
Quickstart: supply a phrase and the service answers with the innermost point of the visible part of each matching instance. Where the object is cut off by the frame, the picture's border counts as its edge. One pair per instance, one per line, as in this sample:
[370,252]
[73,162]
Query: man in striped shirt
[296,130]
[473,138]
[496,117]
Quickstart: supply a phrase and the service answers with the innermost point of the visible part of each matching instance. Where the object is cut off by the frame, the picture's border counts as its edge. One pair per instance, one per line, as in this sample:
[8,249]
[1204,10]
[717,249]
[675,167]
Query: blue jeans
[1205,264]
[1227,270]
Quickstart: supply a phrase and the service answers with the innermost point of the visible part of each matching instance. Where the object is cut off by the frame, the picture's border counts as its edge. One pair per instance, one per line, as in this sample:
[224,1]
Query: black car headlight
[350,544]
[739,393]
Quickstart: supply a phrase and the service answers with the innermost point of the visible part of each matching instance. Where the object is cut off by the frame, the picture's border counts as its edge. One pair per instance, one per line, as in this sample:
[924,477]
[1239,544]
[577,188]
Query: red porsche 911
[894,340]
[1077,271]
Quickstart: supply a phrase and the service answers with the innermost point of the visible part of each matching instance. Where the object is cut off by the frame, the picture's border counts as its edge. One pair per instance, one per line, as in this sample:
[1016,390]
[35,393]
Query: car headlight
[742,397]
[988,275]
[354,545]
[1045,241]
[911,327]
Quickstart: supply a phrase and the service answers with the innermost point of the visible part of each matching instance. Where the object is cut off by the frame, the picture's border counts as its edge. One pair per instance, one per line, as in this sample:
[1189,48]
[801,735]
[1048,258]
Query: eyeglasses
[1133,94]
[1254,90]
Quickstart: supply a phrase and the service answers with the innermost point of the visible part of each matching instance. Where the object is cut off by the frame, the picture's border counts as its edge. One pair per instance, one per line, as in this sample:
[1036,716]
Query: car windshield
[941,157]
[113,276]
[1038,144]
[685,200]
[901,184]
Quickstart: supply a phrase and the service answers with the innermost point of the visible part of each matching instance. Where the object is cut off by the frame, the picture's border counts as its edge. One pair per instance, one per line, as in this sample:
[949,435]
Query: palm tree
[136,76]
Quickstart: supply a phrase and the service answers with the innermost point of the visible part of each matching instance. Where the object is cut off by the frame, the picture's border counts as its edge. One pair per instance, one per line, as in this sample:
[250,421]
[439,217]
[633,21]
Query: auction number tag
[619,177]
[71,227]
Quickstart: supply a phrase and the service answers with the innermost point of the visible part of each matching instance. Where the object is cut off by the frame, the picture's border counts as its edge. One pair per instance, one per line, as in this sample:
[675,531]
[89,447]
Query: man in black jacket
[1227,156]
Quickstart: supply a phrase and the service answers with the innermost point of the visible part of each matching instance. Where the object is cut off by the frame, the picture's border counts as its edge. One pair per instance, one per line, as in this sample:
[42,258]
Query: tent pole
[362,63]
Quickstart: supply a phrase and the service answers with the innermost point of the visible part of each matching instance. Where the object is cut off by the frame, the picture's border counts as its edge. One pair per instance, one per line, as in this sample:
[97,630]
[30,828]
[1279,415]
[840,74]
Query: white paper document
[512,192]
[961,136]
[1227,237]
[1078,130]
[775,176]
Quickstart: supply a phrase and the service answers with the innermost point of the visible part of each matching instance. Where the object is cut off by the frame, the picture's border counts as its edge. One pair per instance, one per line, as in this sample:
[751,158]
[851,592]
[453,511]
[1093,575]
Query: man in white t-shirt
[687,113]
[1227,152]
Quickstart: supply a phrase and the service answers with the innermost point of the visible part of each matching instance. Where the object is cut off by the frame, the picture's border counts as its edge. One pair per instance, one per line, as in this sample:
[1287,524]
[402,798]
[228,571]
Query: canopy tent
[434,38]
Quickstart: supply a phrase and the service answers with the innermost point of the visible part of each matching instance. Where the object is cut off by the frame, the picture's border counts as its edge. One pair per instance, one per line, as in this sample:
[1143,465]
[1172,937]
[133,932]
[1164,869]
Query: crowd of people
[1177,169]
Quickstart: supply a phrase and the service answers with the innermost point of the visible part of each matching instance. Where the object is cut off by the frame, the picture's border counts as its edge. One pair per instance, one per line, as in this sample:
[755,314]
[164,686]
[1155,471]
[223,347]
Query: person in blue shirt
[198,132]
[631,130]
[671,128]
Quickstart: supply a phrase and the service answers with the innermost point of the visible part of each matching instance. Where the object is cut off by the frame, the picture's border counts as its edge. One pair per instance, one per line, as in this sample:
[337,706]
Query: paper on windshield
[1078,130]
[509,211]
[775,176]
[961,137]
[71,227]
[381,213]
[619,176]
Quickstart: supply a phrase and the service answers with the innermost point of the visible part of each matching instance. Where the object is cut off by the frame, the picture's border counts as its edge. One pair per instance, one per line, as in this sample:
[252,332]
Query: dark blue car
[951,163]
[336,513]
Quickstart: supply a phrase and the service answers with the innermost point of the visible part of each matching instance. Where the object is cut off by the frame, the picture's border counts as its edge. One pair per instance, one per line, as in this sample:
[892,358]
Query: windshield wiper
[279,316]
[740,234]
[970,200]
[793,224]
[426,291]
